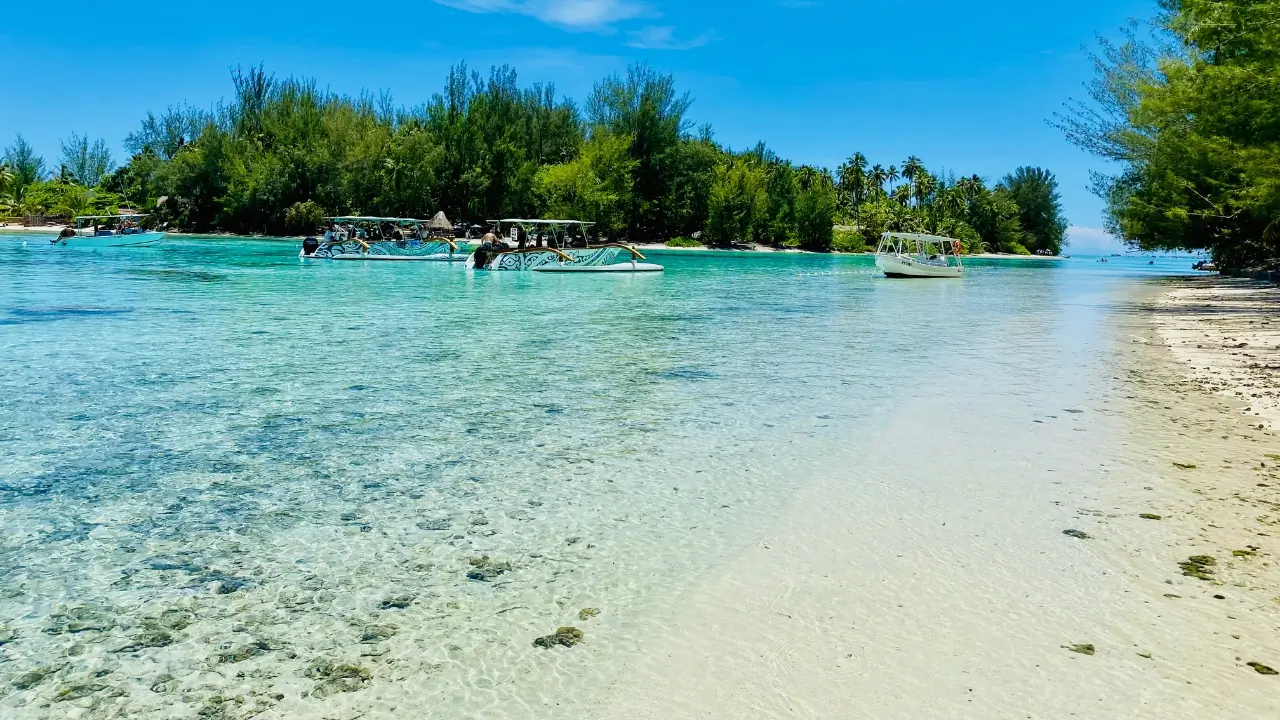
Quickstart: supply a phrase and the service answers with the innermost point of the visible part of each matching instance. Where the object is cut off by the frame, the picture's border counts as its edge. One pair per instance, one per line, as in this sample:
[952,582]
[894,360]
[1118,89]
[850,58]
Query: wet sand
[903,596]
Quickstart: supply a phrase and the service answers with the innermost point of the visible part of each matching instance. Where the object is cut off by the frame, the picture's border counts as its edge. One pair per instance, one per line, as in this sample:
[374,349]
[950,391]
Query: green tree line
[1188,108]
[282,153]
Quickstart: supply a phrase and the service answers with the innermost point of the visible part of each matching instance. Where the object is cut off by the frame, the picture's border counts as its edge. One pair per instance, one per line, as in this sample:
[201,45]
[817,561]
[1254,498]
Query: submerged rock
[75,692]
[566,636]
[486,569]
[1262,669]
[1150,516]
[1184,466]
[588,613]
[337,678]
[7,635]
[244,652]
[32,678]
[1077,534]
[1082,648]
[175,619]
[80,619]
[149,639]
[1197,566]
[166,683]
[1250,551]
[376,633]
[396,602]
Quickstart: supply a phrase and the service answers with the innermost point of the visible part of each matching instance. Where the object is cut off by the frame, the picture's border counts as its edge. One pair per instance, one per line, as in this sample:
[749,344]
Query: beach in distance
[238,484]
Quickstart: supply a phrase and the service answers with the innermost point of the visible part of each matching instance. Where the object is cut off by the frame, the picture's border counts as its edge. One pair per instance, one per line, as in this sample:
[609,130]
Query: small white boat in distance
[107,231]
[911,255]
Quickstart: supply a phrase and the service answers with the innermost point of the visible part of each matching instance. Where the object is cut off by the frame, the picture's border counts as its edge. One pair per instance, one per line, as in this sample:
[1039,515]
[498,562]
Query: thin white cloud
[664,38]
[569,14]
[1084,239]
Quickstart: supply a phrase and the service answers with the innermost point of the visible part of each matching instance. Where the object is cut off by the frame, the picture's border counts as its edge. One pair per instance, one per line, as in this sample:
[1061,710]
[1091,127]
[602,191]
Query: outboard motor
[310,246]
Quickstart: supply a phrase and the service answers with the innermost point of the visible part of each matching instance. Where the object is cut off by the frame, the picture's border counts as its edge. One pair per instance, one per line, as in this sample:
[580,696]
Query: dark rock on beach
[1082,648]
[1263,669]
[1077,534]
[1198,566]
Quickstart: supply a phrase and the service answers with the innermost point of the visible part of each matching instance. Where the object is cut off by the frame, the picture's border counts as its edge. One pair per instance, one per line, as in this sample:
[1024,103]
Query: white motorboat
[554,246]
[392,239]
[108,231]
[912,255]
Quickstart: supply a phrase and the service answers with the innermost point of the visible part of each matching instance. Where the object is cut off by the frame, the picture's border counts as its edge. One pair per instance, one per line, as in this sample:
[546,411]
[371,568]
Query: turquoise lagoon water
[233,483]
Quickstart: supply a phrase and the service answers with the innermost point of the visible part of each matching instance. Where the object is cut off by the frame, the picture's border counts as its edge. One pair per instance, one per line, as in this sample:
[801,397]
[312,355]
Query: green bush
[303,218]
[1018,248]
[683,242]
[850,241]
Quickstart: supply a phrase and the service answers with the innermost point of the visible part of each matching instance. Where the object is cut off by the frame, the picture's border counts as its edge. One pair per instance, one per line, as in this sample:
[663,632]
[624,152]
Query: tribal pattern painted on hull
[530,260]
[408,250]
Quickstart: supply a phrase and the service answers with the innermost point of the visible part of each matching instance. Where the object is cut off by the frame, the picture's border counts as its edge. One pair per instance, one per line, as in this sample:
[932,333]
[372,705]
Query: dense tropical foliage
[1188,106]
[283,153]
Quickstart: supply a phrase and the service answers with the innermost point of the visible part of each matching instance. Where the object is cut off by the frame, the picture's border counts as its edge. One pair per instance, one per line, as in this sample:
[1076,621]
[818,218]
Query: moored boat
[388,239]
[108,231]
[554,246]
[913,255]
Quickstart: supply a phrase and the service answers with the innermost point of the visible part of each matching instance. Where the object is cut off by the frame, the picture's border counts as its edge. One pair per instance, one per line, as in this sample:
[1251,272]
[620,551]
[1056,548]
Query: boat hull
[145,239]
[568,260]
[438,251]
[399,258]
[896,266]
[629,267]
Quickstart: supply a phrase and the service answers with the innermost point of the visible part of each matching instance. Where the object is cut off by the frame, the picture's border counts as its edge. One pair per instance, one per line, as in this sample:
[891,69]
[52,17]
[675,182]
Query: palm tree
[925,186]
[853,180]
[879,176]
[893,174]
[912,168]
[902,194]
[6,176]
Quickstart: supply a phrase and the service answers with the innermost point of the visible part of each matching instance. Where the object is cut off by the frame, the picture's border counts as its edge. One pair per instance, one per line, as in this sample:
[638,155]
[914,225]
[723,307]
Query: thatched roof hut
[440,223]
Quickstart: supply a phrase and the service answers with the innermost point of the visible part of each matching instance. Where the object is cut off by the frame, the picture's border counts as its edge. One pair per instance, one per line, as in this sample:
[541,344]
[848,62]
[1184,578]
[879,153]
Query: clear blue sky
[966,86]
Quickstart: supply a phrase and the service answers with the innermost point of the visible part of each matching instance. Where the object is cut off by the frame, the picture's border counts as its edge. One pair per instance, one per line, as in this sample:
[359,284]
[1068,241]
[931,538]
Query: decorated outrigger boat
[559,246]
[358,237]
[106,231]
[908,255]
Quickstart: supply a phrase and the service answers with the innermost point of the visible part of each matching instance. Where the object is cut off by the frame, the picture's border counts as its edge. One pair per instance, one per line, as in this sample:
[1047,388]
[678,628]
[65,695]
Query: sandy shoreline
[1227,332]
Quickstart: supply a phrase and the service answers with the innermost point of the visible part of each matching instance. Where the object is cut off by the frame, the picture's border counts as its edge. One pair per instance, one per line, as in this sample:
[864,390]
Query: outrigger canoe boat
[377,238]
[555,246]
[911,255]
[108,231]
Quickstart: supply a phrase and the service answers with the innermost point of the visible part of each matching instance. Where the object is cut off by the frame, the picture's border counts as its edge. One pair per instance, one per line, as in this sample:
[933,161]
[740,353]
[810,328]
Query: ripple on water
[274,492]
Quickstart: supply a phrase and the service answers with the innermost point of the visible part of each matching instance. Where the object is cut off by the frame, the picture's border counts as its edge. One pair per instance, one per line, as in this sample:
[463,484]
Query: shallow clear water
[234,483]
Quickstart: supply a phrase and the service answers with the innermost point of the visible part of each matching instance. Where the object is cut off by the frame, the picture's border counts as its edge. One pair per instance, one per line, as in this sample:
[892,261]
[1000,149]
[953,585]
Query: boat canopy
[542,222]
[918,237]
[111,217]
[363,218]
